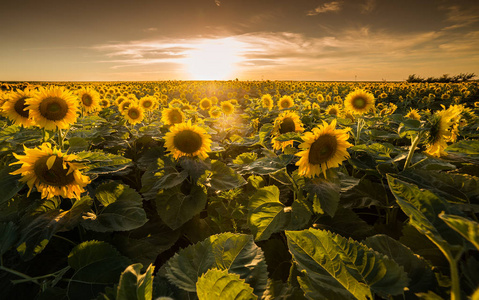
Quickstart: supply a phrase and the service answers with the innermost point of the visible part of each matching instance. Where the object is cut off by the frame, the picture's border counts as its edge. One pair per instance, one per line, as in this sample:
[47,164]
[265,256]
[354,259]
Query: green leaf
[422,207]
[421,276]
[123,209]
[222,177]
[97,265]
[219,284]
[289,136]
[236,253]
[77,144]
[346,223]
[338,268]
[99,162]
[38,226]
[8,236]
[470,147]
[10,185]
[267,165]
[266,214]
[324,194]
[465,227]
[175,208]
[245,158]
[145,243]
[135,286]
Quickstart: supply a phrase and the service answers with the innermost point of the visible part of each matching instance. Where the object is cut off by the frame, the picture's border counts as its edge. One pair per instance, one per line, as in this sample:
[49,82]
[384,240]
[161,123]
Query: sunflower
[172,115]
[322,149]
[148,103]
[134,114]
[124,105]
[227,107]
[285,102]
[286,122]
[188,140]
[359,102]
[444,128]
[205,104]
[413,114]
[267,101]
[119,100]
[52,172]
[104,103]
[89,99]
[15,108]
[53,107]
[214,112]
[333,109]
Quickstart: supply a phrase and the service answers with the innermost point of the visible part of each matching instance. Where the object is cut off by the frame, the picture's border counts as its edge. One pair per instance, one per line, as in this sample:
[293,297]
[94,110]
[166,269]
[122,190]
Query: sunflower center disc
[187,141]
[287,126]
[20,107]
[333,111]
[133,113]
[175,117]
[146,104]
[359,103]
[56,176]
[87,100]
[53,108]
[322,149]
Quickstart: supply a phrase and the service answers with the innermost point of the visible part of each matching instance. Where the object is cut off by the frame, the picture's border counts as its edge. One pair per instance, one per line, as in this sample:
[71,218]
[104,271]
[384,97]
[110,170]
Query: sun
[213,59]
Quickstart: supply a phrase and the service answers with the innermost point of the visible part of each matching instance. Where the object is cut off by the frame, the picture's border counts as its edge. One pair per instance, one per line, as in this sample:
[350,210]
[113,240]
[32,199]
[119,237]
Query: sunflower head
[53,107]
[52,172]
[214,112]
[148,103]
[172,115]
[286,122]
[333,109]
[267,101]
[285,102]
[359,102]
[16,109]
[89,99]
[185,139]
[444,128]
[134,114]
[205,104]
[413,114]
[227,107]
[324,148]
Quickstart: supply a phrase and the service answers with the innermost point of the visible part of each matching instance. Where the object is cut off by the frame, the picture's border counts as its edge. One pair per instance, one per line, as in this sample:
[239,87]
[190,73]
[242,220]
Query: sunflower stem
[359,128]
[60,139]
[19,274]
[411,150]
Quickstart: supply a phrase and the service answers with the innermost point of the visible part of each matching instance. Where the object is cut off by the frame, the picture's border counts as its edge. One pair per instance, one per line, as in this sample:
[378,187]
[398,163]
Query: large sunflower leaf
[423,207]
[421,276]
[465,227]
[176,208]
[340,268]
[135,286]
[222,177]
[10,185]
[324,194]
[219,284]
[97,265]
[266,214]
[236,253]
[99,162]
[38,226]
[123,209]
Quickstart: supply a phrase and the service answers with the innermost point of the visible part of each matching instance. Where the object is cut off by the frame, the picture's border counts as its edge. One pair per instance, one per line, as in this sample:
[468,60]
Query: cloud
[330,6]
[150,29]
[295,56]
[368,6]
[460,17]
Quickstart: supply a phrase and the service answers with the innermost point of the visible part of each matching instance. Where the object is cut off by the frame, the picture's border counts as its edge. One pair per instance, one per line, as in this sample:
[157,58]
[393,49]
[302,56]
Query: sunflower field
[239,190]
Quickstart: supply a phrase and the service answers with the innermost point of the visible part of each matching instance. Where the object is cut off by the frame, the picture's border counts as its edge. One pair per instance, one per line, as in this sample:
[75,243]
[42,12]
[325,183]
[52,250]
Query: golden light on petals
[444,129]
[285,102]
[323,148]
[16,108]
[172,115]
[51,172]
[286,122]
[359,102]
[189,140]
[53,107]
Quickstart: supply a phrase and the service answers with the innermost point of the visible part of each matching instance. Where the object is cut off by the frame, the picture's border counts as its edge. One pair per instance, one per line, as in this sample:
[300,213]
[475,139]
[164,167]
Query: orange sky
[56,40]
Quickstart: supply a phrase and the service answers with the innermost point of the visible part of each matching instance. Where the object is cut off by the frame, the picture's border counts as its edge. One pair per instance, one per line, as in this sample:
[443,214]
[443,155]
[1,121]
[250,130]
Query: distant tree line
[444,78]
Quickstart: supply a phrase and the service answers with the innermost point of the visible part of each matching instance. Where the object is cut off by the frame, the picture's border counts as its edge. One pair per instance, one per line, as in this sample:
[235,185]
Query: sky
[149,40]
